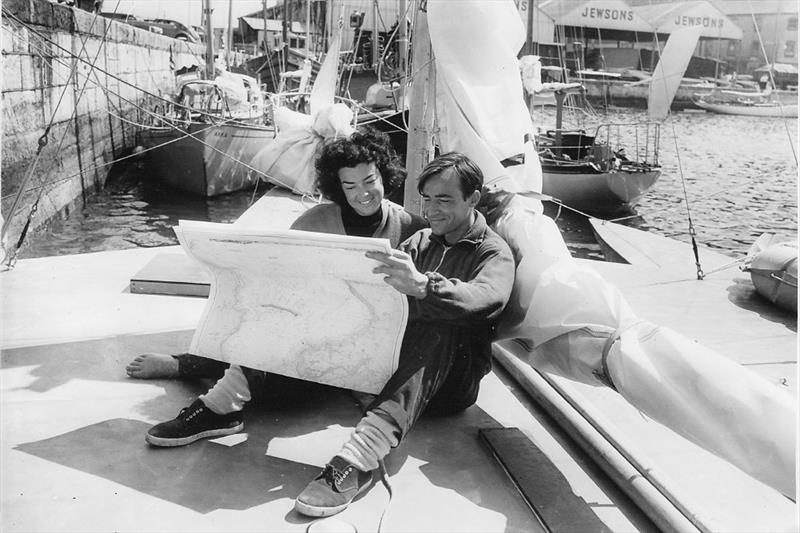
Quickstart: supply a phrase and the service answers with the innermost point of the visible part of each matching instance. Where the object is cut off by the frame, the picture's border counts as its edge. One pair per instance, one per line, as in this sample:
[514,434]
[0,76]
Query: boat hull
[207,160]
[774,275]
[755,110]
[598,192]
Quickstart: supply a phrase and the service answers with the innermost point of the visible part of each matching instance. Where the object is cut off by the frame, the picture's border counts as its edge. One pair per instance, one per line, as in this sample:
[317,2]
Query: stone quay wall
[84,84]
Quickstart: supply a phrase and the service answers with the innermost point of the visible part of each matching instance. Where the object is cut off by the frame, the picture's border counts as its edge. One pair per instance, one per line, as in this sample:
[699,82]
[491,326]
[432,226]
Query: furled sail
[474,89]
[566,309]
[289,158]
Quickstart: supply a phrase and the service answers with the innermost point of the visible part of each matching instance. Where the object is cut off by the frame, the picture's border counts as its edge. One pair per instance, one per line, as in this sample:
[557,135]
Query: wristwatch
[433,283]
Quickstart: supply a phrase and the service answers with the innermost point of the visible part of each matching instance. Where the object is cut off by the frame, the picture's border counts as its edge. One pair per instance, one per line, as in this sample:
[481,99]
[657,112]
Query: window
[791,24]
[755,48]
[789,48]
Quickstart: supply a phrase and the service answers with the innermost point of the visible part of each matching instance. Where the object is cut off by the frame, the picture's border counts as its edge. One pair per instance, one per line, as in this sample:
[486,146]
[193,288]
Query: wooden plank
[172,274]
[540,482]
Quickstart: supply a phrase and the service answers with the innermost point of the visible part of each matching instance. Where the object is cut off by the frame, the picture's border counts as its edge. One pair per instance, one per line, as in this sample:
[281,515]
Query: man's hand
[401,273]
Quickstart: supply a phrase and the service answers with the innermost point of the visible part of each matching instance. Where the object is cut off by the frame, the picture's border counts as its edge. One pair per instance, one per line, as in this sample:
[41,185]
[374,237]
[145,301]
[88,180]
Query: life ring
[774,274]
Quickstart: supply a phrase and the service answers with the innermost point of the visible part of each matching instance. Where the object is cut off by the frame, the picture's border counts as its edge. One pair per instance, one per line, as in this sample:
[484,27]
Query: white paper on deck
[297,303]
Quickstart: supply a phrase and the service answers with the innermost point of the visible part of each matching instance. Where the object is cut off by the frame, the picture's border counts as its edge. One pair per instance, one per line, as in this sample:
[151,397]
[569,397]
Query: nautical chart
[297,303]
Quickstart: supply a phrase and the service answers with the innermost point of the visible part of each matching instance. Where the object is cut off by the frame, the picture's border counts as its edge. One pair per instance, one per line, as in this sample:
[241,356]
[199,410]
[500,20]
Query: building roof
[668,17]
[601,14]
[273,25]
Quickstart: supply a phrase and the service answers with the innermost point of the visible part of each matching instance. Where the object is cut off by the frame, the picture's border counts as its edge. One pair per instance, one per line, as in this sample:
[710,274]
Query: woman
[355,173]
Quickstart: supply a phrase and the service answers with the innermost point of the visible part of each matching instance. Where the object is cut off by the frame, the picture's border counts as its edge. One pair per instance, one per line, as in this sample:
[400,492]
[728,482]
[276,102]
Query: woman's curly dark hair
[365,145]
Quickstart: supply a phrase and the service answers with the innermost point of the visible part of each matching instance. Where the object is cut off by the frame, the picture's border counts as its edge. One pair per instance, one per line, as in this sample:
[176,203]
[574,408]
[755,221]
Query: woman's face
[363,187]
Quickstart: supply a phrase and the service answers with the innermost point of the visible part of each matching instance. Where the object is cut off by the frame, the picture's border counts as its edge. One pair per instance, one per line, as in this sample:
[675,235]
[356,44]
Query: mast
[421,112]
[308,29]
[209,39]
[229,43]
[264,41]
[375,35]
[402,45]
[285,35]
[529,33]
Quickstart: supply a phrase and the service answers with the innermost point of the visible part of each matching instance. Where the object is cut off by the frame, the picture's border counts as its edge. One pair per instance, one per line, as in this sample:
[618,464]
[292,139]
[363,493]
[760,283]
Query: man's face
[444,206]
[363,188]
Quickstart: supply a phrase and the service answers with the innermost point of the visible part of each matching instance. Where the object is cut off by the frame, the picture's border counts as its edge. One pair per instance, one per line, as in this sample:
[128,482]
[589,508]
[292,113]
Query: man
[458,276]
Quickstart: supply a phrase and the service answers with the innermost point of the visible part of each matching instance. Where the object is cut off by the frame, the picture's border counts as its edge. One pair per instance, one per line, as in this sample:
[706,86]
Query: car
[174,29]
[168,27]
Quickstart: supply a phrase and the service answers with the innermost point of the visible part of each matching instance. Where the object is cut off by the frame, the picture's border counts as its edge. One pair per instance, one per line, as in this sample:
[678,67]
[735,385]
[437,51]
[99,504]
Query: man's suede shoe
[194,423]
[333,489]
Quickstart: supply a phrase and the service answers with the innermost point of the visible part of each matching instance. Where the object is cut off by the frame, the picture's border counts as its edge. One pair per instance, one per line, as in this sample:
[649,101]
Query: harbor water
[738,173]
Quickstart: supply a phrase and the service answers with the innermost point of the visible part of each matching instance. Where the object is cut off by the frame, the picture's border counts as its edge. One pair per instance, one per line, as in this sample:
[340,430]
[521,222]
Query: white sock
[229,394]
[371,441]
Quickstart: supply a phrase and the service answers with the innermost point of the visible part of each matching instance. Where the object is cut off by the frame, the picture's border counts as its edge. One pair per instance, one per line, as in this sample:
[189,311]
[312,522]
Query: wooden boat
[752,109]
[69,327]
[206,143]
[767,103]
[590,176]
[72,443]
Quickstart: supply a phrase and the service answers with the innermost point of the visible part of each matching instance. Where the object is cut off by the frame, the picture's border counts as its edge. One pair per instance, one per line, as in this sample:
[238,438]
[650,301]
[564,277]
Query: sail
[477,81]
[670,69]
[324,90]
[568,312]
[289,158]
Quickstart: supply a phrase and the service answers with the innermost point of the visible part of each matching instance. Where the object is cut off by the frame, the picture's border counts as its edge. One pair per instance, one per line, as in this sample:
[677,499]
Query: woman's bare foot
[153,366]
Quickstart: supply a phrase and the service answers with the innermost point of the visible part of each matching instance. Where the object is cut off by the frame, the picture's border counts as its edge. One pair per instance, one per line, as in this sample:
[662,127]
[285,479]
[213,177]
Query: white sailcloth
[670,69]
[289,158]
[477,84]
[570,311]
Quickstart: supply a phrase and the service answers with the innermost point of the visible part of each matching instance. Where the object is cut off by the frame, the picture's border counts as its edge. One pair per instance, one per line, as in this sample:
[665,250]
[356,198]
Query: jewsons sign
[603,13]
[706,22]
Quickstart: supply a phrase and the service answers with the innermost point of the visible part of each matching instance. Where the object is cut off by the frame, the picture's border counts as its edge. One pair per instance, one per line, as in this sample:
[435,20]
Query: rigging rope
[43,141]
[692,231]
[770,65]
[12,255]
[167,121]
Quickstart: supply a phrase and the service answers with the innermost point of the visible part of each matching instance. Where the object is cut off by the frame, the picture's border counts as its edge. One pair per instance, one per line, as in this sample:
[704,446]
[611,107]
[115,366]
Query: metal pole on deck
[421,112]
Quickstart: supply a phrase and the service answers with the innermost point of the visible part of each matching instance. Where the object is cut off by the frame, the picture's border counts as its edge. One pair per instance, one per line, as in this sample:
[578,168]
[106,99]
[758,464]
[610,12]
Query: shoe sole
[183,441]
[321,512]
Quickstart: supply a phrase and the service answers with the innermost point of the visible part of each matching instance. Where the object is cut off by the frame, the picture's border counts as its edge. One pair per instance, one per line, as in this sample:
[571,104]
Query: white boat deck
[73,455]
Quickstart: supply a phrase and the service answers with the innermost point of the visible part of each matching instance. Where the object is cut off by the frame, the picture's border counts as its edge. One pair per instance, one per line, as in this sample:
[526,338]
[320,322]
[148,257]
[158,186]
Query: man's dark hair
[469,174]
[365,145]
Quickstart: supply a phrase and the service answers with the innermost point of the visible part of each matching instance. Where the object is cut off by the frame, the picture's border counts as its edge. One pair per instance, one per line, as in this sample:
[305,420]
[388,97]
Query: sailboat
[594,173]
[638,452]
[205,142]
[752,104]
[589,171]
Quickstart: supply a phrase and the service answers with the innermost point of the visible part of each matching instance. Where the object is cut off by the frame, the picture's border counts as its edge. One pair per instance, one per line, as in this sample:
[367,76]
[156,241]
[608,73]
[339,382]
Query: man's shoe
[333,489]
[194,423]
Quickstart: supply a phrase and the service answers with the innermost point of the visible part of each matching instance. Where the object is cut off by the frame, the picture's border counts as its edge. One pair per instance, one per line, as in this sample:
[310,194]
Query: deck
[74,458]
